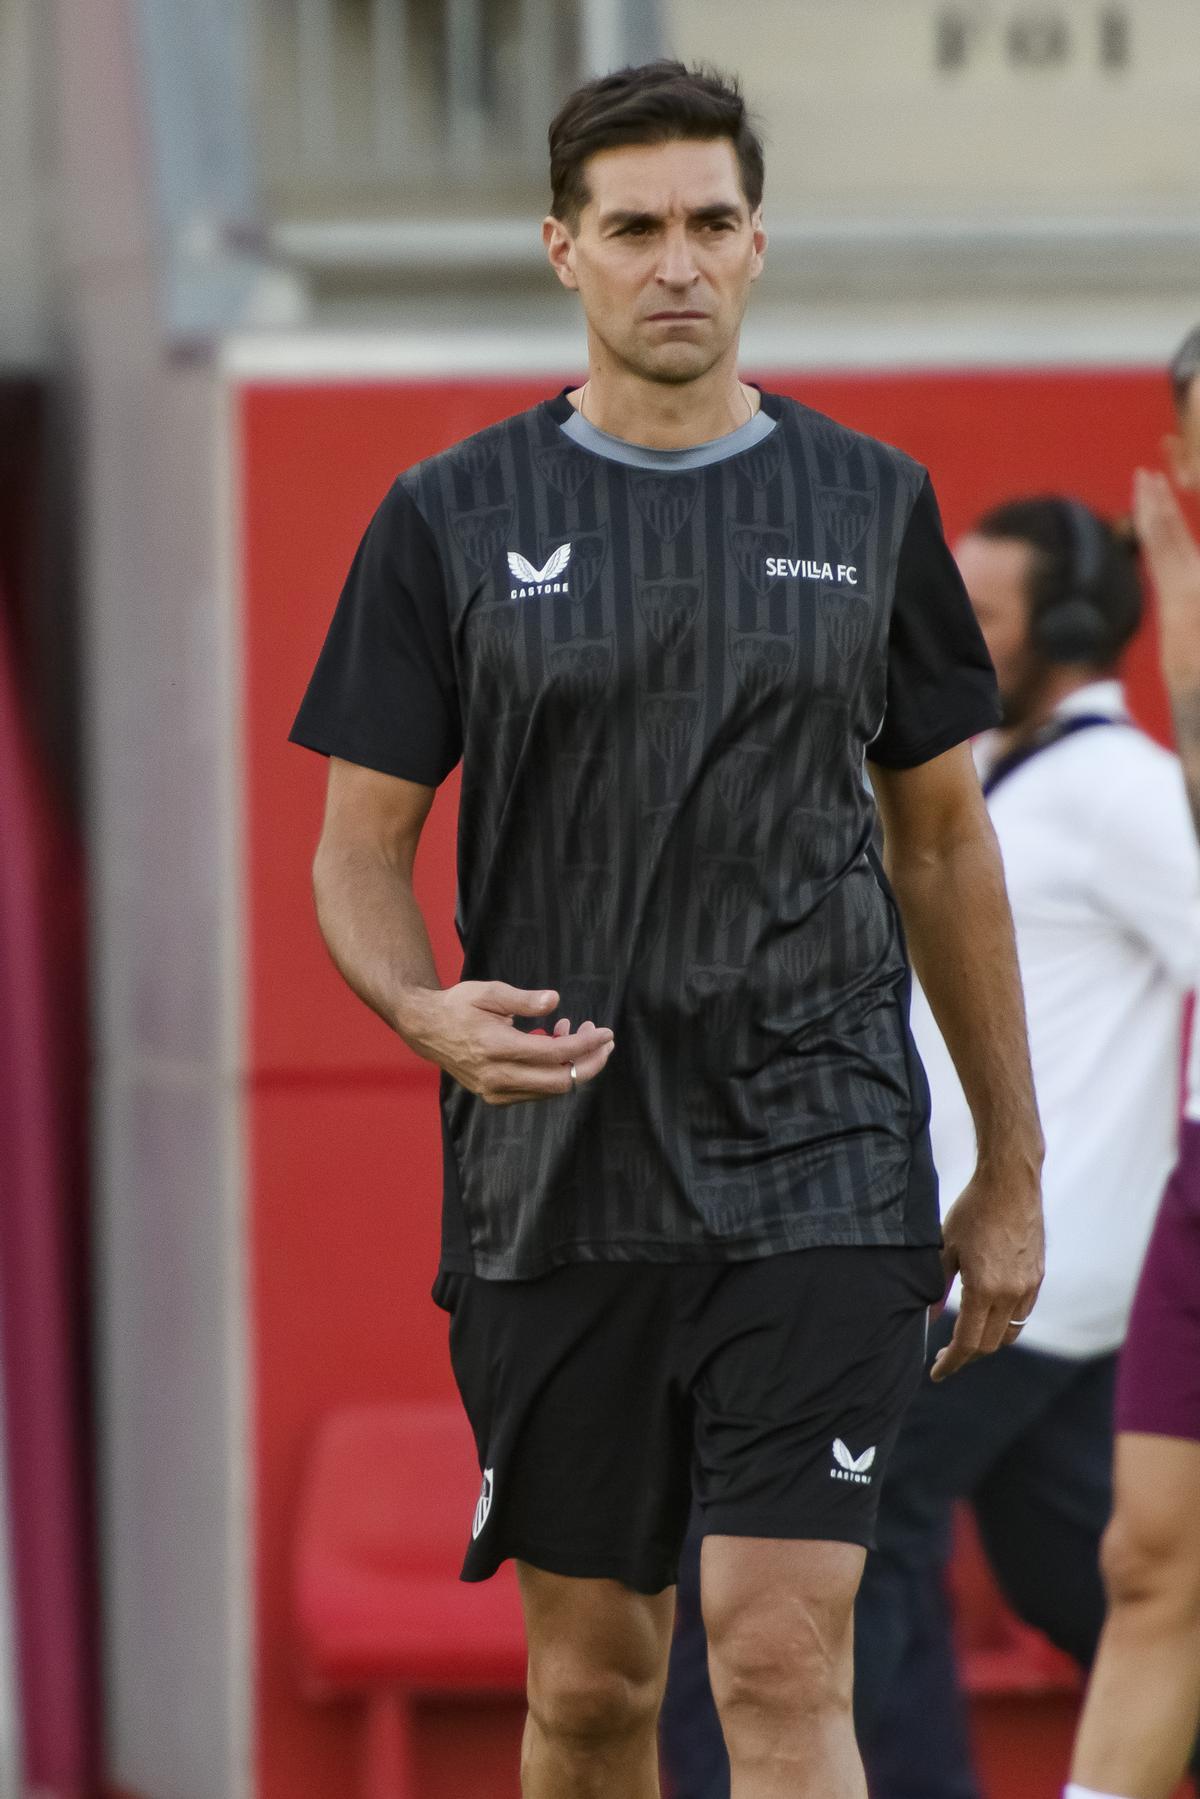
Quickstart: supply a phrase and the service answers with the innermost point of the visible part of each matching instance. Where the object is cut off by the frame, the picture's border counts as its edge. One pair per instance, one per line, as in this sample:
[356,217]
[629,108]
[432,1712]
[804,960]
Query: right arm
[370,920]
[363,886]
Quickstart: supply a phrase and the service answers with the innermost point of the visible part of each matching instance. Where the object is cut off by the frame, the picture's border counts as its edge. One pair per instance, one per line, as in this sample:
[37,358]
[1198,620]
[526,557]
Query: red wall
[344,1176]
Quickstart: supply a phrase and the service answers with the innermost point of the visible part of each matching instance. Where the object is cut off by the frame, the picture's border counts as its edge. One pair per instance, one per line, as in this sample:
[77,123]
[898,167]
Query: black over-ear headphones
[1077,626]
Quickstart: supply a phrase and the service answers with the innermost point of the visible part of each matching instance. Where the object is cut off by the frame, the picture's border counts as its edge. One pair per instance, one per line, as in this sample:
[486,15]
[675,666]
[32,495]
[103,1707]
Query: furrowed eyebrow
[703,215]
[708,215]
[620,221]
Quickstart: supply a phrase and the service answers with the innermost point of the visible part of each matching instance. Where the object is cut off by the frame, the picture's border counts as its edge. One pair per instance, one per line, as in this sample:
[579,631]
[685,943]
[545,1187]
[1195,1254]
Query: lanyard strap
[1044,739]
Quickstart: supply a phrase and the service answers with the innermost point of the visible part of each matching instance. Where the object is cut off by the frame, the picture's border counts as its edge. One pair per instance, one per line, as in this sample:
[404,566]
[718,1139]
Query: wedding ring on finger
[574,1079]
[1016,1323]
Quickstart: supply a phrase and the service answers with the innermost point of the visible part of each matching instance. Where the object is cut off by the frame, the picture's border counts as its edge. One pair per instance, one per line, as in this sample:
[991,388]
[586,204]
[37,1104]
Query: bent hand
[994,1238]
[469,1031]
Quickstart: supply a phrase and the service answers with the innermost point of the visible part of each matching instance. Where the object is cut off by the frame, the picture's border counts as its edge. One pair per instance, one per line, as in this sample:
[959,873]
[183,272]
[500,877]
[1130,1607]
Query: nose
[677,265]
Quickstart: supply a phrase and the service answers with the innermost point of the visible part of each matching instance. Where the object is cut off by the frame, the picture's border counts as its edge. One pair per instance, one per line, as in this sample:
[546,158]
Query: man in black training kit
[691,1233]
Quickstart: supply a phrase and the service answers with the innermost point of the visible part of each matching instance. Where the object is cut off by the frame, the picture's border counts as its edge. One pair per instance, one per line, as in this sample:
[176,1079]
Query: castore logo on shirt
[539,580]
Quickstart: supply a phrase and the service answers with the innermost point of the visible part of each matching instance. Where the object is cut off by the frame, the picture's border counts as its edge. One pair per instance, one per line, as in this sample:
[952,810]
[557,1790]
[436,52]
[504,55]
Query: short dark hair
[1044,522]
[653,103]
[1185,366]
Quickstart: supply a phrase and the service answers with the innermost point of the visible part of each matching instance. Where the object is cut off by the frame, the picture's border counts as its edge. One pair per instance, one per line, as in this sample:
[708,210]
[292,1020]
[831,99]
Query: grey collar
[601,443]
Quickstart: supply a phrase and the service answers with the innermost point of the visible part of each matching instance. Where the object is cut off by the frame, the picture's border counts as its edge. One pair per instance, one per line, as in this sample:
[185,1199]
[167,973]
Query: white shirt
[1103,877]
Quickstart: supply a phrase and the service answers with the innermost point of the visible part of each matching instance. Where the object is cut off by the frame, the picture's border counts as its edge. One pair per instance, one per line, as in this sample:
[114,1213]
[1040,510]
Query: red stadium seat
[381,1611]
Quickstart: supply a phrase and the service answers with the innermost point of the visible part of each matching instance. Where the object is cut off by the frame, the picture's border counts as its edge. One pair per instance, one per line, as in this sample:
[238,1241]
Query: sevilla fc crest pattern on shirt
[663,673]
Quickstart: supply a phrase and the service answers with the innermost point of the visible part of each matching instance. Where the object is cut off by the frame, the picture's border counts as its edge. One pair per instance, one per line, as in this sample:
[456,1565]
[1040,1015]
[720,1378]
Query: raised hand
[1173,558]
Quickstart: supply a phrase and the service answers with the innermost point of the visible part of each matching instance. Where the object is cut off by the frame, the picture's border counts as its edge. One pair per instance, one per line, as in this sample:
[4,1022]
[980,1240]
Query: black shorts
[605,1397]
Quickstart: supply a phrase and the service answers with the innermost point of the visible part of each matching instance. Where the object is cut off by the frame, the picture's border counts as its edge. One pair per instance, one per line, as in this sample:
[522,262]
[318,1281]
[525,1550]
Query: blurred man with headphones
[1104,880]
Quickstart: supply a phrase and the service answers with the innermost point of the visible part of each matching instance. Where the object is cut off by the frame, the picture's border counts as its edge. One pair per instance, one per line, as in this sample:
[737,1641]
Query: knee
[585,1707]
[1146,1564]
[797,1664]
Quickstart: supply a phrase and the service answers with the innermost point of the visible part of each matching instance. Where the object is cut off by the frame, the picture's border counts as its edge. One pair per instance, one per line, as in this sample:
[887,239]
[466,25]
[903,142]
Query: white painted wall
[864,118]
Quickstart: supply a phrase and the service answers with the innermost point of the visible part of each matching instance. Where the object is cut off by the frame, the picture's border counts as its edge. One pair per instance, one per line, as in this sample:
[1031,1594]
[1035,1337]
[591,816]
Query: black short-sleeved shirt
[663,672]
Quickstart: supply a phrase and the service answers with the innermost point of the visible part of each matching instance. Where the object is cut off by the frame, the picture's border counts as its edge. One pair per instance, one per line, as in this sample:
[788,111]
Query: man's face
[663,255]
[997,572]
[1183,450]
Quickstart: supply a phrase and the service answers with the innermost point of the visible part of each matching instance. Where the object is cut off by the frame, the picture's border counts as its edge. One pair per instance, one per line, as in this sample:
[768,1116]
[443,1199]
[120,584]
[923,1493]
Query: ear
[759,231]
[1175,454]
[560,250]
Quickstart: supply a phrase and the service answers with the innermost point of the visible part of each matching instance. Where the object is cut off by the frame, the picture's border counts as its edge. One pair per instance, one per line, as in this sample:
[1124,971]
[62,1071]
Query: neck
[662,415]
[1058,685]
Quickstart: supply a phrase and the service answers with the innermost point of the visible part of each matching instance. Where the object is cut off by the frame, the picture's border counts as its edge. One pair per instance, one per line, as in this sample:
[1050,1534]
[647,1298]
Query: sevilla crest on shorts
[484,1503]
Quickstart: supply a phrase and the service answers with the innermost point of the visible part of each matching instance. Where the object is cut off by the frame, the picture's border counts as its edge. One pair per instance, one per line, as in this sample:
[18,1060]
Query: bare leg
[1143,1700]
[597,1669]
[780,1619]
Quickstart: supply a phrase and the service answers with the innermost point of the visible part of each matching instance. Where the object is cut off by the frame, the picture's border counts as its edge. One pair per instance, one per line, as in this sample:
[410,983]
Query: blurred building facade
[211,200]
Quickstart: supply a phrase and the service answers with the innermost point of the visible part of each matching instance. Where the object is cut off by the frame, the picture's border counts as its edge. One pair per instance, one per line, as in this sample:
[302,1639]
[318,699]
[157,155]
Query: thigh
[1059,1469]
[1156,1499]
[786,1596]
[1043,1507]
[581,1632]
[584,1438]
[805,1363]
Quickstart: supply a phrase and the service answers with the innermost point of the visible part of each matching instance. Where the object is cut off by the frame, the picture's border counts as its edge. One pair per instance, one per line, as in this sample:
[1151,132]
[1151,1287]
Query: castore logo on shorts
[851,1467]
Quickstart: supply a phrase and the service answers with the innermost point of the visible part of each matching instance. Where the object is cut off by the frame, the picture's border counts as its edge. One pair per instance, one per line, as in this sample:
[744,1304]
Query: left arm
[944,866]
